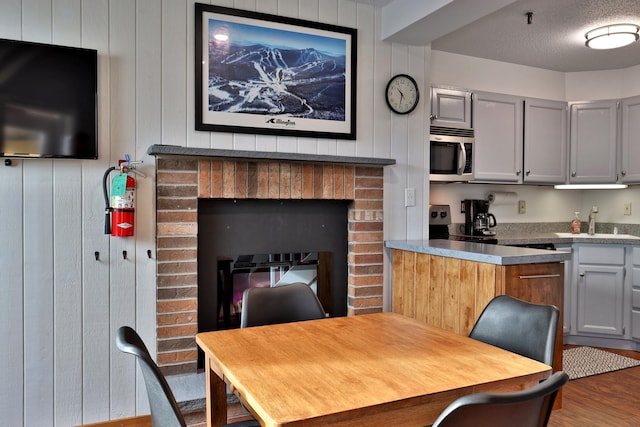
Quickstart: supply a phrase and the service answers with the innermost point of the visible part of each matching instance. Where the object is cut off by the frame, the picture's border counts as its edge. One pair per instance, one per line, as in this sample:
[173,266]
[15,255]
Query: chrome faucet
[592,221]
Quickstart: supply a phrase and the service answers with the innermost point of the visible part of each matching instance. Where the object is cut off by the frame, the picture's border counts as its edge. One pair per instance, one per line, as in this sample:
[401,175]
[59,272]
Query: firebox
[267,242]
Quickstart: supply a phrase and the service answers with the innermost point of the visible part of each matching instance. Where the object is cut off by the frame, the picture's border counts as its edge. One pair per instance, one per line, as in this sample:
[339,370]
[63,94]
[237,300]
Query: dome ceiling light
[612,36]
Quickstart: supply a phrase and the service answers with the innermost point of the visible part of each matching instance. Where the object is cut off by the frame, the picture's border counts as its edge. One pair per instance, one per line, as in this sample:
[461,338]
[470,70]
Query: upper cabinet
[497,122]
[450,107]
[630,167]
[593,142]
[545,141]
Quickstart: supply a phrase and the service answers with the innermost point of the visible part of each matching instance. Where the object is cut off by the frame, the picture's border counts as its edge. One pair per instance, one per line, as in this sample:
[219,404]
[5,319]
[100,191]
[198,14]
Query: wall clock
[402,94]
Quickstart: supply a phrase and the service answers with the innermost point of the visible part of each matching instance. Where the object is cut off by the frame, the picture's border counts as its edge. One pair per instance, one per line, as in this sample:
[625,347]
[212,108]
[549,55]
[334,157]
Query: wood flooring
[605,400]
[611,399]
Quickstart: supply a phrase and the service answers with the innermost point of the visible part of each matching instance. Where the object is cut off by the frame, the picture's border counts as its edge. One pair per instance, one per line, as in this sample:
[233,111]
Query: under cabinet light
[590,186]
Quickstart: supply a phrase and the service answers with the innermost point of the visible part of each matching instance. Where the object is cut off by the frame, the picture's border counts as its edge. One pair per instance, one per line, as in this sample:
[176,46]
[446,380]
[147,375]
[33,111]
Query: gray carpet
[583,362]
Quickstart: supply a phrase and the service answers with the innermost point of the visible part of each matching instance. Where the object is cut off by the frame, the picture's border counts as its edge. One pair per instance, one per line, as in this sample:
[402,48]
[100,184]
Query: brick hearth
[181,181]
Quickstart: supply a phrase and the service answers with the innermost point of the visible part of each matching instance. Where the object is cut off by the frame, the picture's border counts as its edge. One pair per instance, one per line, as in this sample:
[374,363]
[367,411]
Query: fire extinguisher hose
[107,207]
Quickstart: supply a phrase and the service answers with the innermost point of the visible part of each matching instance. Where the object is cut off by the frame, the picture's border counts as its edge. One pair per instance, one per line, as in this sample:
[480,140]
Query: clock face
[402,94]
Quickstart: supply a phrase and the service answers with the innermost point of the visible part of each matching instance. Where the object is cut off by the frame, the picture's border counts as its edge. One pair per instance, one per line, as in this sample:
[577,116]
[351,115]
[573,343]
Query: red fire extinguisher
[123,209]
[122,206]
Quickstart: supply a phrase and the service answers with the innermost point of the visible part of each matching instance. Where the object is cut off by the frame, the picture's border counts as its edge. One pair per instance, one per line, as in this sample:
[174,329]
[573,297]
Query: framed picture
[266,74]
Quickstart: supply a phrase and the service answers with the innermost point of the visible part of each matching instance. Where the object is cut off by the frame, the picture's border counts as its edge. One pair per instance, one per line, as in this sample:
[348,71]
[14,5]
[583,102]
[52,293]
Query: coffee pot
[483,222]
[478,220]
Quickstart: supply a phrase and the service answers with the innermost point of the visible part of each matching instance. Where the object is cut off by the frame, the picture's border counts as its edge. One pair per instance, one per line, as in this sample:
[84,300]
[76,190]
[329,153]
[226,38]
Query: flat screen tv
[48,101]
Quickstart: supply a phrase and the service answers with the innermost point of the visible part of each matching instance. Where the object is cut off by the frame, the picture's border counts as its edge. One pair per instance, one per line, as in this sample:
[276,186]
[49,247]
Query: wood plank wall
[430,289]
[60,306]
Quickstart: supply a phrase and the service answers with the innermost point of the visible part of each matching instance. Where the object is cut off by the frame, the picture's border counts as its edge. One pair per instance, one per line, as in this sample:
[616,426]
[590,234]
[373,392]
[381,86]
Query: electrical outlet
[627,208]
[522,206]
[409,197]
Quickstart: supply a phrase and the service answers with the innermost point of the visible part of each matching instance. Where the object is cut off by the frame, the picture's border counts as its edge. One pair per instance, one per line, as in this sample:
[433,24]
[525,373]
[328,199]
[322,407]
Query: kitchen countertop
[479,252]
[567,239]
[502,254]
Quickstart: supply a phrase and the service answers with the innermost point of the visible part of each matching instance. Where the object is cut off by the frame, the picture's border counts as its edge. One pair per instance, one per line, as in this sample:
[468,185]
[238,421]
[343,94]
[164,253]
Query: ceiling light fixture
[612,36]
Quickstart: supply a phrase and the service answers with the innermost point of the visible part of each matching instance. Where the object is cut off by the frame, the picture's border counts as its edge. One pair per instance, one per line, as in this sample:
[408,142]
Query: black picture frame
[274,75]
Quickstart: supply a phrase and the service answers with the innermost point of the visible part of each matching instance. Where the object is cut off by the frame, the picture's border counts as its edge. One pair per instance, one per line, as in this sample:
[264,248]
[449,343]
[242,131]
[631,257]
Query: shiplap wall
[59,306]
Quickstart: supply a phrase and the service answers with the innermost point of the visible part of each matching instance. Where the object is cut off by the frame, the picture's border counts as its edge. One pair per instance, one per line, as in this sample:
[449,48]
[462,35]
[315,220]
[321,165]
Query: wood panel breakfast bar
[447,283]
[374,369]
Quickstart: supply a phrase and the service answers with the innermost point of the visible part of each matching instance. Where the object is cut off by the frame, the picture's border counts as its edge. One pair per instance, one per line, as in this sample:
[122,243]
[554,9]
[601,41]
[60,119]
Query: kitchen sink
[598,236]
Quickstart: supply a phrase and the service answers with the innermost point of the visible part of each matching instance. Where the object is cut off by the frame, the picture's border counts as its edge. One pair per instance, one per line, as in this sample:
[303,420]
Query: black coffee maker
[477,219]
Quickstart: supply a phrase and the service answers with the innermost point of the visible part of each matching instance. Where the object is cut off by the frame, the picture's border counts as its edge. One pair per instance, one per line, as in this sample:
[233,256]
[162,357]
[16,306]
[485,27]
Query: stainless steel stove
[439,221]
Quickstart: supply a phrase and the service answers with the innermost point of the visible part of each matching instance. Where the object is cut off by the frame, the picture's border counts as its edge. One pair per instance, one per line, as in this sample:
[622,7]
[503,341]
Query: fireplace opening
[238,273]
[269,242]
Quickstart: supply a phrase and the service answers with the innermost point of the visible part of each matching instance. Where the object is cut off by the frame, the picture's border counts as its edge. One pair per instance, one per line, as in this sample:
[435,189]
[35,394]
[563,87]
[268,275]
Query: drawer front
[636,298]
[601,255]
[635,324]
[636,255]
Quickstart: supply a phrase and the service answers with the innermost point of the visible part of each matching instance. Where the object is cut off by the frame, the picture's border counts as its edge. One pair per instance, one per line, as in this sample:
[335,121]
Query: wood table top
[344,365]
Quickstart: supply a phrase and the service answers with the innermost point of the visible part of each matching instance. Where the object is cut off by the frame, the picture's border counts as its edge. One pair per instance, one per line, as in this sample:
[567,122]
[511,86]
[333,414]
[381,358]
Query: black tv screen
[48,101]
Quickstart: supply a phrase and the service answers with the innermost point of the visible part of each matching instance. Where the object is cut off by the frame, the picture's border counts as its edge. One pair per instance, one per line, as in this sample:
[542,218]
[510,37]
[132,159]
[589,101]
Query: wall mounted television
[48,101]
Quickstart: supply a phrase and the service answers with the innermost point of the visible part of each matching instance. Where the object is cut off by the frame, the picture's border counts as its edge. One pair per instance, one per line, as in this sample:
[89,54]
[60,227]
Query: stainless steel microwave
[451,153]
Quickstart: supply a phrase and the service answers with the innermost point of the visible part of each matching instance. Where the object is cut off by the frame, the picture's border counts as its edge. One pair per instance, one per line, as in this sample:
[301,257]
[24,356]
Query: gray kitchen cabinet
[630,167]
[497,120]
[635,295]
[450,107]
[600,297]
[568,295]
[593,142]
[545,141]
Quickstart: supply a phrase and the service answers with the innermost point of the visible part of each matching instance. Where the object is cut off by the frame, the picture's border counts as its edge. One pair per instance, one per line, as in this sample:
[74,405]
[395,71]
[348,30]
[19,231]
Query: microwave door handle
[463,159]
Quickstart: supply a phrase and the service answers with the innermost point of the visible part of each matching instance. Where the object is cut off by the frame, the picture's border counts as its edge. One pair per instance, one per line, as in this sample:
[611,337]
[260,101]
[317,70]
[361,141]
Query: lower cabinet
[600,296]
[635,295]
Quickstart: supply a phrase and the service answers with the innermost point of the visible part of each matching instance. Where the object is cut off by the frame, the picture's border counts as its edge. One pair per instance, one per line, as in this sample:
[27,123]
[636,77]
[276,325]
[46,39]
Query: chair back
[164,408]
[520,327]
[525,408]
[280,304]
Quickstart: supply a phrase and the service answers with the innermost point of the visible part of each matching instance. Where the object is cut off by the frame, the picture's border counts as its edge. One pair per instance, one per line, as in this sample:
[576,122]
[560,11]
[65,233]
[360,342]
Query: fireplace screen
[236,274]
[266,242]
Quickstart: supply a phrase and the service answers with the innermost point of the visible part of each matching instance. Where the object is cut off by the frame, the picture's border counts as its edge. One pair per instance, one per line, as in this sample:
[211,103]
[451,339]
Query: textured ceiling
[554,40]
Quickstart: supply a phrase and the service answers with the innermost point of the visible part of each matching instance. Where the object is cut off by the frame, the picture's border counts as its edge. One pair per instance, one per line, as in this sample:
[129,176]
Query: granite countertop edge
[479,252]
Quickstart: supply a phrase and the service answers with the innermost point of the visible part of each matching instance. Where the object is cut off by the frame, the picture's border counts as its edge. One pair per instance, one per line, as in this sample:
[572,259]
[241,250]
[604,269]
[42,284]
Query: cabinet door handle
[518,173]
[539,276]
[528,173]
[581,274]
[573,173]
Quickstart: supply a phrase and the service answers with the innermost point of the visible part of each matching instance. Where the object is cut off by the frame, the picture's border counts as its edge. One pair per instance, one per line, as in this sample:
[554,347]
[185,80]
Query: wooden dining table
[373,369]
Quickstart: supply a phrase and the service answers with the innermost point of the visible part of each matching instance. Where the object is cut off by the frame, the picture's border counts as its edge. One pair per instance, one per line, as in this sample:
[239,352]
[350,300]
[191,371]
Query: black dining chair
[520,327]
[280,304]
[164,408]
[524,408]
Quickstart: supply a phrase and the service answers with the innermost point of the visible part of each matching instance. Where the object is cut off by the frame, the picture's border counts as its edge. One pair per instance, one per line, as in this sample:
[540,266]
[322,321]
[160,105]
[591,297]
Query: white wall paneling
[61,307]
[148,111]
[123,120]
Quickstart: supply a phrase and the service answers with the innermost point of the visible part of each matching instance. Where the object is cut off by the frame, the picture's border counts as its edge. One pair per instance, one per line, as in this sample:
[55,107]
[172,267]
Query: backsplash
[518,228]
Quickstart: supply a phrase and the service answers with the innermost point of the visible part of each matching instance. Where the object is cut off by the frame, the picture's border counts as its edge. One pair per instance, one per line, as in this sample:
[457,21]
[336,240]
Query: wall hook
[97,255]
[149,253]
[124,254]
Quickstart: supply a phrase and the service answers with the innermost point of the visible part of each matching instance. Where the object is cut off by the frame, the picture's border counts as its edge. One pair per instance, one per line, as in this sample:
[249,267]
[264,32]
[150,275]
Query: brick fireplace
[182,180]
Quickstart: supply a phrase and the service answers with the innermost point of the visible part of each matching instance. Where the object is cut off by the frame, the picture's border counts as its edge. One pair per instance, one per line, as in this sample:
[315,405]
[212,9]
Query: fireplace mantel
[174,150]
